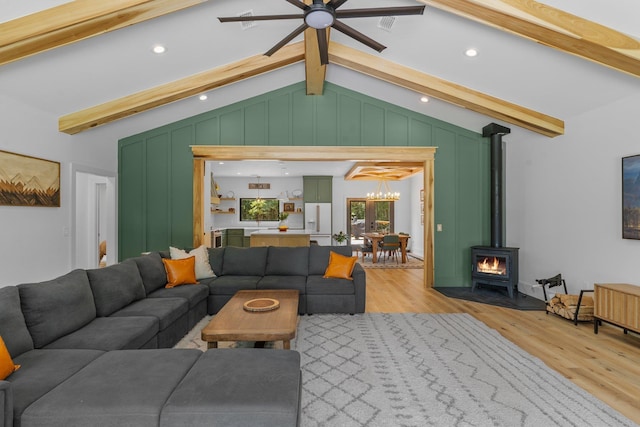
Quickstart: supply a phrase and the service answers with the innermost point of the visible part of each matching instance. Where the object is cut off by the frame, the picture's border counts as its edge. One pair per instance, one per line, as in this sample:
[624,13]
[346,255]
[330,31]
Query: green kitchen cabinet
[235,237]
[317,189]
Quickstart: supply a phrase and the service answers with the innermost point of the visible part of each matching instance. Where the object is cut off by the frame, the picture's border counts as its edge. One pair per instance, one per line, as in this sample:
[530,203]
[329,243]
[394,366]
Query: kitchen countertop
[280,233]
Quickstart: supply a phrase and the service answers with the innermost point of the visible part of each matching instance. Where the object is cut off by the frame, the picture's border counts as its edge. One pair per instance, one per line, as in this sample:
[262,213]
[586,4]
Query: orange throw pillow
[180,271]
[7,367]
[340,266]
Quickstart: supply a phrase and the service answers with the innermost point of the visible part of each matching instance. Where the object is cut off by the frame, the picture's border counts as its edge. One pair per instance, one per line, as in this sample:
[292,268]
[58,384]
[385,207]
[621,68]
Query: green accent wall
[156,168]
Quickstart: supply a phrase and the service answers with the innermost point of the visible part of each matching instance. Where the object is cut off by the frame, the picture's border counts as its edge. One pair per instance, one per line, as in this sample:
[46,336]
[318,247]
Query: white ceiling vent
[245,25]
[386,22]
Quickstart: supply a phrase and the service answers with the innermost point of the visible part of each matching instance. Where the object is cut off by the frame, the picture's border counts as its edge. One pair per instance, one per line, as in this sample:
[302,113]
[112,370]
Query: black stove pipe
[495,132]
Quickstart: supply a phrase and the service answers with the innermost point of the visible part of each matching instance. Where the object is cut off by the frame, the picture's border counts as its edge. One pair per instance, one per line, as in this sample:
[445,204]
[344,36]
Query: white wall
[563,200]
[36,242]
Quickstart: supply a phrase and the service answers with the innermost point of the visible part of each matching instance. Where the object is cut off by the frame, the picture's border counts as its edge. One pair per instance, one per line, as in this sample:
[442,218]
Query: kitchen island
[276,237]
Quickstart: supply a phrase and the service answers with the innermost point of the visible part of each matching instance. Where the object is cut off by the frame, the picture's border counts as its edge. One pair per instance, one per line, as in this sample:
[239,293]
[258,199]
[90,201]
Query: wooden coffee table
[234,323]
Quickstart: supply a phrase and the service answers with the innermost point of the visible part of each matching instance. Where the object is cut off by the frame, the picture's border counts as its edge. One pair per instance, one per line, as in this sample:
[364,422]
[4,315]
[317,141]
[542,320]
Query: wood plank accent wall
[156,167]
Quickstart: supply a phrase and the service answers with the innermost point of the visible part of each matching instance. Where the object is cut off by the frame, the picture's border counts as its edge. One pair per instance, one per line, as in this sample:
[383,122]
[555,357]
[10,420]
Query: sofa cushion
[123,388]
[111,333]
[7,366]
[202,267]
[44,370]
[284,282]
[115,286]
[285,261]
[229,285]
[238,387]
[13,328]
[152,271]
[318,285]
[57,307]
[216,257]
[319,257]
[166,310]
[180,271]
[244,261]
[193,294]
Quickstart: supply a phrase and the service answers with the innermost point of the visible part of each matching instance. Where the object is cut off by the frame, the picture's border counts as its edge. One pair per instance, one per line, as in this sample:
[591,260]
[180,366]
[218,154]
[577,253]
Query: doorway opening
[93,242]
[425,155]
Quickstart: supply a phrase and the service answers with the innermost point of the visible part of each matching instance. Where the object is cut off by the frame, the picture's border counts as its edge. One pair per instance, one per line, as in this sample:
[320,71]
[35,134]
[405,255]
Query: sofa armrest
[6,404]
[360,286]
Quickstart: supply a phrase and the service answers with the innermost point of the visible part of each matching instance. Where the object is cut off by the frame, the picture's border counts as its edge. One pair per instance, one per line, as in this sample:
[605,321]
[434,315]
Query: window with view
[252,209]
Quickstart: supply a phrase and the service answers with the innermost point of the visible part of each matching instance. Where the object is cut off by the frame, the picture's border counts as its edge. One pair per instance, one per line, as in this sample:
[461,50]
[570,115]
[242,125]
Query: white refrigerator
[317,218]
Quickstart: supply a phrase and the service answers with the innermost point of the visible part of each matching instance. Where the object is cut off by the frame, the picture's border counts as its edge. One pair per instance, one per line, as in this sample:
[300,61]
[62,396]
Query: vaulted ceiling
[90,62]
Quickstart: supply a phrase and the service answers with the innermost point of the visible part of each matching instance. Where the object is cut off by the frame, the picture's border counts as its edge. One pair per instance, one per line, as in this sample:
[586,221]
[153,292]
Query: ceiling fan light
[319,19]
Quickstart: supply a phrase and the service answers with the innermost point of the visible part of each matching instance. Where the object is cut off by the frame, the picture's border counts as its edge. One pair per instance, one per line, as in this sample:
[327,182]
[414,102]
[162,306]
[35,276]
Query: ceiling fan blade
[380,11]
[323,47]
[258,18]
[337,3]
[357,35]
[287,39]
[299,4]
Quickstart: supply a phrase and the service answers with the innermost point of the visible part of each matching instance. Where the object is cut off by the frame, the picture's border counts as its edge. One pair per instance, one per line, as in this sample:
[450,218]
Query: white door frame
[93,176]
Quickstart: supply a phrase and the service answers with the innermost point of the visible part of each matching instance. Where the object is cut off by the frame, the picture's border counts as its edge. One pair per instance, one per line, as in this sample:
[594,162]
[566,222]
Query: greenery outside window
[252,209]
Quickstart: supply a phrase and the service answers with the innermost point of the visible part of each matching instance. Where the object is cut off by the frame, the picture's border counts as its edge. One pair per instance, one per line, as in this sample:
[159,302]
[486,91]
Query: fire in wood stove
[492,265]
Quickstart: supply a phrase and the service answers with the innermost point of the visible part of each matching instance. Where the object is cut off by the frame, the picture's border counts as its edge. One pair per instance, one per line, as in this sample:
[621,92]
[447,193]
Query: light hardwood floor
[606,365]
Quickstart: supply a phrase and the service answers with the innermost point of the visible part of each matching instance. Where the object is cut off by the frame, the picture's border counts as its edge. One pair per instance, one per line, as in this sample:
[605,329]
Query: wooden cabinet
[279,239]
[317,189]
[618,304]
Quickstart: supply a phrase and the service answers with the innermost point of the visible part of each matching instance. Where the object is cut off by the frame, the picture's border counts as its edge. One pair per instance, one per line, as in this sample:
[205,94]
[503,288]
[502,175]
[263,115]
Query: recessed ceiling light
[221,163]
[159,49]
[424,99]
[471,52]
[203,97]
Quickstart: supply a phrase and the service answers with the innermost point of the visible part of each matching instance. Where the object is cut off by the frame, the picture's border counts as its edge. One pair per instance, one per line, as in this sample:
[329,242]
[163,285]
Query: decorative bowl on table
[283,228]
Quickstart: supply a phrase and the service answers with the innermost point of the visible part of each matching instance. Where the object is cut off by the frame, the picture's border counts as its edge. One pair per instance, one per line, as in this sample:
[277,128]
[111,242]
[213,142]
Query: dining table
[376,238]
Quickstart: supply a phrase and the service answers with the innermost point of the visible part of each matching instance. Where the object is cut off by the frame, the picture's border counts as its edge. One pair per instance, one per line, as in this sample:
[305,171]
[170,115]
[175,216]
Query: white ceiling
[119,63]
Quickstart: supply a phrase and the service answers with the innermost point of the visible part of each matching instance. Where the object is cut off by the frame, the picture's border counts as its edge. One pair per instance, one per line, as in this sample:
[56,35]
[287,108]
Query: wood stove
[495,267]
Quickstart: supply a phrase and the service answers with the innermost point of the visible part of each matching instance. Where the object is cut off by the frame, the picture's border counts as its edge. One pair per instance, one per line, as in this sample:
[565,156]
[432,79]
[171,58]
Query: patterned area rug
[390,263]
[379,369]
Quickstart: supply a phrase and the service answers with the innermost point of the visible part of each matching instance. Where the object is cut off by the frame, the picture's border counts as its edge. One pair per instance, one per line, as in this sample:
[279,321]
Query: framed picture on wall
[631,197]
[289,207]
[28,181]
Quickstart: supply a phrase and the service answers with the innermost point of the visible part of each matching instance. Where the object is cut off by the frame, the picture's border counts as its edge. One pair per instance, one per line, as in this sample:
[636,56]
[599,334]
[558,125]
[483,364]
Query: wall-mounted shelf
[213,211]
[227,198]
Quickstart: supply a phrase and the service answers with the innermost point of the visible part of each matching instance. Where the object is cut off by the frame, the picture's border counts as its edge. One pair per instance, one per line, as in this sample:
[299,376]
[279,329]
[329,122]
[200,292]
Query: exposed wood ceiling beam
[447,91]
[387,171]
[179,89]
[314,70]
[75,21]
[552,27]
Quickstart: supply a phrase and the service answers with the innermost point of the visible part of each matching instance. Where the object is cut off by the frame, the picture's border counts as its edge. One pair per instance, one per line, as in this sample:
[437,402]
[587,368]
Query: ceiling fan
[321,15]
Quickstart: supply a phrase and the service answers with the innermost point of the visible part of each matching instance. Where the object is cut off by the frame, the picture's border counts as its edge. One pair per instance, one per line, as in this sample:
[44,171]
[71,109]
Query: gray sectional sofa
[93,345]
[300,268]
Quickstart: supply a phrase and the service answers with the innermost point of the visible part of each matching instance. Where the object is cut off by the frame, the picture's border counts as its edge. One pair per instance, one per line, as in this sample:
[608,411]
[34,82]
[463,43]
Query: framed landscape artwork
[28,181]
[631,197]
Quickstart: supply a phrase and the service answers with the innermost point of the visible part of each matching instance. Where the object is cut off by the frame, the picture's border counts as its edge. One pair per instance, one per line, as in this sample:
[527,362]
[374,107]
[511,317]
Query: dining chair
[390,246]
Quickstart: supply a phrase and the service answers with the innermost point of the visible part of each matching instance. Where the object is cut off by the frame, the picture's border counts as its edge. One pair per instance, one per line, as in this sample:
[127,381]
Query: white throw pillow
[203,268]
